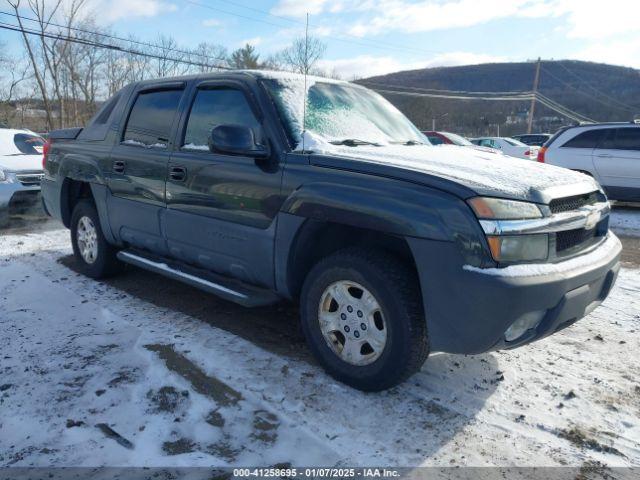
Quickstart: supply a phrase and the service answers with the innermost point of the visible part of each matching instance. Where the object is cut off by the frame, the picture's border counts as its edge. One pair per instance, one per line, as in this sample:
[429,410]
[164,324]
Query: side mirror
[236,140]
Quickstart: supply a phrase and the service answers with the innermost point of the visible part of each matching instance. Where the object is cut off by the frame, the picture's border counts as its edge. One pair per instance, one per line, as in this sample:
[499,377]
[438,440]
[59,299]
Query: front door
[617,161]
[221,208]
[138,168]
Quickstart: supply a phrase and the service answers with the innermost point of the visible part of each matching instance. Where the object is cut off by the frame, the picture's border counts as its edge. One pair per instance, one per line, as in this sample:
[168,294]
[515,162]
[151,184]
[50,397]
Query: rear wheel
[96,258]
[363,319]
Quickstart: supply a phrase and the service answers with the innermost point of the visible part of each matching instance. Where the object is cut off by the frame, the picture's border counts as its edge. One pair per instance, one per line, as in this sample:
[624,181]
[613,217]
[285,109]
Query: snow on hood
[485,173]
[19,162]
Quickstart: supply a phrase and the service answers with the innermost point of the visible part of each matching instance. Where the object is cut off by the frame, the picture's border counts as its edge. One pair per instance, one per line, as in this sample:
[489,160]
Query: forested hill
[598,91]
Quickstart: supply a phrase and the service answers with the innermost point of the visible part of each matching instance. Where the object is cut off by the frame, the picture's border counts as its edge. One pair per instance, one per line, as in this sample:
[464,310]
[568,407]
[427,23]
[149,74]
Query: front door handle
[178,174]
[118,166]
[603,155]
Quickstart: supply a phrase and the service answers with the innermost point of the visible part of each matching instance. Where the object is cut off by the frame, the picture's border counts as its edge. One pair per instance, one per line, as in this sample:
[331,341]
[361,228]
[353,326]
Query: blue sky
[366,37]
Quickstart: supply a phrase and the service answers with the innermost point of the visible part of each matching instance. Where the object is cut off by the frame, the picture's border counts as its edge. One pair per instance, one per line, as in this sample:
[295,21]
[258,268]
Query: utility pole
[536,80]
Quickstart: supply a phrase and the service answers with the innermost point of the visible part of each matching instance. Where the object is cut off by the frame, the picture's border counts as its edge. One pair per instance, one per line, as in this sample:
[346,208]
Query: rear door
[617,161]
[221,208]
[139,166]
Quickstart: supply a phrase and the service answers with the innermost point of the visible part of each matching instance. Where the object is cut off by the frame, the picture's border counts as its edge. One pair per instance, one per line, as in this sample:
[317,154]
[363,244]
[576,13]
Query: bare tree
[14,73]
[303,55]
[210,55]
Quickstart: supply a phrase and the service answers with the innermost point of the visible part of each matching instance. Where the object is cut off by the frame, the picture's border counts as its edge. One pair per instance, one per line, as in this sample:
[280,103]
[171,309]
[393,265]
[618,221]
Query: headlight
[500,209]
[519,248]
[3,176]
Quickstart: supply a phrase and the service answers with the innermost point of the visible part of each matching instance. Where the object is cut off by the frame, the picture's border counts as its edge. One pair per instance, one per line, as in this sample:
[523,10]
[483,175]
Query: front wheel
[362,316]
[95,256]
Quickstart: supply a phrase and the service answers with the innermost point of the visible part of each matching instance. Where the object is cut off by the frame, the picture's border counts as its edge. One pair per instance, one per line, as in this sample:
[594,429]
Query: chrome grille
[567,204]
[573,238]
[29,179]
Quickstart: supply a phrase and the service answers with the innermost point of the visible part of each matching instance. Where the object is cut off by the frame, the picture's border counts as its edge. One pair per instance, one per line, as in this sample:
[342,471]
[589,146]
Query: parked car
[609,152]
[20,170]
[533,139]
[508,146]
[448,138]
[392,247]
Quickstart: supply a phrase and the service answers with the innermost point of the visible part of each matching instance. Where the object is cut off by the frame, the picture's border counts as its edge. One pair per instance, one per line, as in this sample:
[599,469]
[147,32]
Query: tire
[103,263]
[395,291]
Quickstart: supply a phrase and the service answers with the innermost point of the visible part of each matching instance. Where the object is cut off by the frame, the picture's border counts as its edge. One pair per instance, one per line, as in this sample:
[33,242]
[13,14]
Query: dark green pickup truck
[261,187]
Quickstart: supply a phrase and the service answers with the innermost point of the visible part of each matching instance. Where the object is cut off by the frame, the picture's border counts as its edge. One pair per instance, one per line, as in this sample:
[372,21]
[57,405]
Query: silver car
[20,169]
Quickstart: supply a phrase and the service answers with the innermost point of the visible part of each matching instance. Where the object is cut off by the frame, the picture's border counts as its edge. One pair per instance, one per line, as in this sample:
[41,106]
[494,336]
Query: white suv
[609,152]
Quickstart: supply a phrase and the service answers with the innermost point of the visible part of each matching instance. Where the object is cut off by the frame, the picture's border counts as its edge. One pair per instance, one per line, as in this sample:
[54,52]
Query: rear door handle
[603,155]
[118,166]
[178,174]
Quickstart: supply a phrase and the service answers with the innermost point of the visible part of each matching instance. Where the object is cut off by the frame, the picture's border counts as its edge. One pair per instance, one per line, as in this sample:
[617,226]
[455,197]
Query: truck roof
[242,74]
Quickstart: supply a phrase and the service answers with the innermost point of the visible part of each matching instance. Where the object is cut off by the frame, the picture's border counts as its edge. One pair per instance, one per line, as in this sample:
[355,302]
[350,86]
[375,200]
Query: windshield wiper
[353,142]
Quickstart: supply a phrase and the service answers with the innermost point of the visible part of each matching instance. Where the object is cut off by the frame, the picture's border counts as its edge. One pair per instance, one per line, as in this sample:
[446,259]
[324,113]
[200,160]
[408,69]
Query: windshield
[341,111]
[457,139]
[514,142]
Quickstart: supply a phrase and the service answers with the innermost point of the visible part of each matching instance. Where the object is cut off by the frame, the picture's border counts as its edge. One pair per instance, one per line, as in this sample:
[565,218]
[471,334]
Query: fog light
[523,324]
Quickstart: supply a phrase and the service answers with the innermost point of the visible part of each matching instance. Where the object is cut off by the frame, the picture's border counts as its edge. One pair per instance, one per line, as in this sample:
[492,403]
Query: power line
[547,102]
[114,37]
[300,22]
[65,38]
[435,90]
[581,80]
[369,44]
[454,97]
[626,108]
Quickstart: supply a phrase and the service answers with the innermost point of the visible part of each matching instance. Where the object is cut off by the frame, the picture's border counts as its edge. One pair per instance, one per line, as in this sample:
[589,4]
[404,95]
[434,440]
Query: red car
[448,138]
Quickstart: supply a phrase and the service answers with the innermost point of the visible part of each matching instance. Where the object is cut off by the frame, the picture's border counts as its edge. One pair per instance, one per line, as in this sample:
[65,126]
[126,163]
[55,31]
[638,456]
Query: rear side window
[435,140]
[623,139]
[588,139]
[28,144]
[151,117]
[213,107]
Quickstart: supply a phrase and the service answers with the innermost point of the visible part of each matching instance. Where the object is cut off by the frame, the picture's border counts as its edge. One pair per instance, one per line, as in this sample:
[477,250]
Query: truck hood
[20,162]
[483,173]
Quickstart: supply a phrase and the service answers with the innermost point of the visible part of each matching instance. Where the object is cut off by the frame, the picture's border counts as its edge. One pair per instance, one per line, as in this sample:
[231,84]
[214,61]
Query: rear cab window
[151,118]
[217,106]
[28,144]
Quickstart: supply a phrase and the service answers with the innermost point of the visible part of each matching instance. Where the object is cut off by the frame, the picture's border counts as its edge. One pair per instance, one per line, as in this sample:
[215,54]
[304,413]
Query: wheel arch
[309,240]
[73,191]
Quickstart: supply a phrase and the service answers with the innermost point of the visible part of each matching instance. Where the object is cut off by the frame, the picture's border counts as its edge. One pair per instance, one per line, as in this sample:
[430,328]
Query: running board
[229,289]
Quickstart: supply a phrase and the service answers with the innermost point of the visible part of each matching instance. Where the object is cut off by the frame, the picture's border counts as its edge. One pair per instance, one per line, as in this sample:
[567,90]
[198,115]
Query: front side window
[588,139]
[213,107]
[28,144]
[151,118]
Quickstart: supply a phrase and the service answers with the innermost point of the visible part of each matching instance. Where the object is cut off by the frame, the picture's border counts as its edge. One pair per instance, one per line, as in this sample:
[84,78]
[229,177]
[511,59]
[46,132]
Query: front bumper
[468,310]
[12,193]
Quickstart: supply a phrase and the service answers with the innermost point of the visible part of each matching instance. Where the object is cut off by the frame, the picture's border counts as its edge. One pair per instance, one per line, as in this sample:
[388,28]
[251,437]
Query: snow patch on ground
[566,400]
